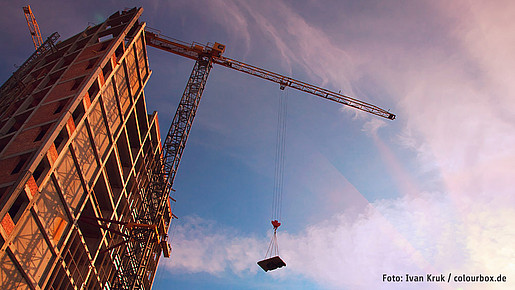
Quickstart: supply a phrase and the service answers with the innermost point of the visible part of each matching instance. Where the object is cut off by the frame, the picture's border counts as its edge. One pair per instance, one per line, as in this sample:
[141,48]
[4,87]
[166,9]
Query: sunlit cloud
[229,15]
[389,236]
[371,127]
[201,245]
[298,42]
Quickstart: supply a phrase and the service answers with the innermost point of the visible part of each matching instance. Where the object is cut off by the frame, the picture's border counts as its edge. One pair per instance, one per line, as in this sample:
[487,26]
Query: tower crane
[205,56]
[33,27]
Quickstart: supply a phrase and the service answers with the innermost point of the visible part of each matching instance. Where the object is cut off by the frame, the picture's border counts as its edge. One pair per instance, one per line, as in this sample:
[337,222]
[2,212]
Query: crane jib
[195,51]
[284,81]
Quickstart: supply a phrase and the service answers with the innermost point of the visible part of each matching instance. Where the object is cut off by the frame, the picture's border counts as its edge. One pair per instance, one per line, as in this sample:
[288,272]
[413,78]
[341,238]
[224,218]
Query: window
[60,107]
[18,207]
[42,132]
[78,113]
[41,171]
[91,63]
[93,90]
[77,83]
[19,165]
[60,140]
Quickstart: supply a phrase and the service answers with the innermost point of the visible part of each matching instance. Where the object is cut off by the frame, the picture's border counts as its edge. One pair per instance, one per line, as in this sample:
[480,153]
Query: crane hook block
[276,224]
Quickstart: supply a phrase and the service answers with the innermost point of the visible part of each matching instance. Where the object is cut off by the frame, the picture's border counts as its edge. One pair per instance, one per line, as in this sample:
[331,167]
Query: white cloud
[199,245]
[416,234]
[372,126]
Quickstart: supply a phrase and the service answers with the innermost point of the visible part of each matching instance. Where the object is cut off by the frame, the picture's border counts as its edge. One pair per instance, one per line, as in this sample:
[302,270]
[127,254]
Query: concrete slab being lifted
[271,263]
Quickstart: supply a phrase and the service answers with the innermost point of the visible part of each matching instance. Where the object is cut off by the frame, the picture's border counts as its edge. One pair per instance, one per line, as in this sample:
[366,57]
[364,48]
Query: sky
[428,193]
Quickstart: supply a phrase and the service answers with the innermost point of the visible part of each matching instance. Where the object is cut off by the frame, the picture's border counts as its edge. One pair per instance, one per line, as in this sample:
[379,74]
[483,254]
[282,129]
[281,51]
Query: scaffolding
[81,165]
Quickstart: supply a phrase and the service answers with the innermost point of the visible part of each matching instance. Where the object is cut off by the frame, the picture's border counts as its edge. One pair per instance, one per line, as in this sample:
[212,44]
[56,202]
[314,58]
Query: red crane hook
[276,224]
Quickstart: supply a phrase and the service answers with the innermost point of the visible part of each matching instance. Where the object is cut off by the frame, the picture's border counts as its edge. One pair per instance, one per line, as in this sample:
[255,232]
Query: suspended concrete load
[271,263]
[274,262]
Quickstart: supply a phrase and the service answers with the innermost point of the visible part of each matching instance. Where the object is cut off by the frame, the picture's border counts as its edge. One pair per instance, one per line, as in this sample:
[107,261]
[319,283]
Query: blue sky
[431,192]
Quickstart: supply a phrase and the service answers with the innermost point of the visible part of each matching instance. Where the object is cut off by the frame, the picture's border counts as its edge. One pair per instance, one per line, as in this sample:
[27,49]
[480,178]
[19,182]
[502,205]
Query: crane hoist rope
[280,156]
[280,149]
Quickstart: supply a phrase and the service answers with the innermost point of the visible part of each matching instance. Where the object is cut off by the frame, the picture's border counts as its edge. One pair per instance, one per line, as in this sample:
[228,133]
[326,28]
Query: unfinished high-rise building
[79,164]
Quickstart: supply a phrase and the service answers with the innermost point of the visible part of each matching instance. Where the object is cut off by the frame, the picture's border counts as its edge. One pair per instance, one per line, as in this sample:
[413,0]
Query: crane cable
[280,156]
[282,113]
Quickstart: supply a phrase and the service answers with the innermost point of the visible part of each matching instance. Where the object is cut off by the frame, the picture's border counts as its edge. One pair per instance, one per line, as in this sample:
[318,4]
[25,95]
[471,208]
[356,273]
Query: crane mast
[181,124]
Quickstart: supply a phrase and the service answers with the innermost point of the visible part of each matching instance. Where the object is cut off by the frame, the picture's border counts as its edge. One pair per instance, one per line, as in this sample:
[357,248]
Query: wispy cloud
[298,42]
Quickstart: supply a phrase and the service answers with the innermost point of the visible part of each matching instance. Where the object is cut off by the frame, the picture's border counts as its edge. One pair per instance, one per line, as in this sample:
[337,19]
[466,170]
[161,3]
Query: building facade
[78,159]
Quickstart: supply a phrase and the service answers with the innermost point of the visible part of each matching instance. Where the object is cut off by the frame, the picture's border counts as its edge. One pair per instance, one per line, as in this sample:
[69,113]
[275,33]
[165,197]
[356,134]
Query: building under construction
[81,198]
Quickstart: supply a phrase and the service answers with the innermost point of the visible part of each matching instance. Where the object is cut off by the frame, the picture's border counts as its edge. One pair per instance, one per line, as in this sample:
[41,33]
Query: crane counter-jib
[195,51]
